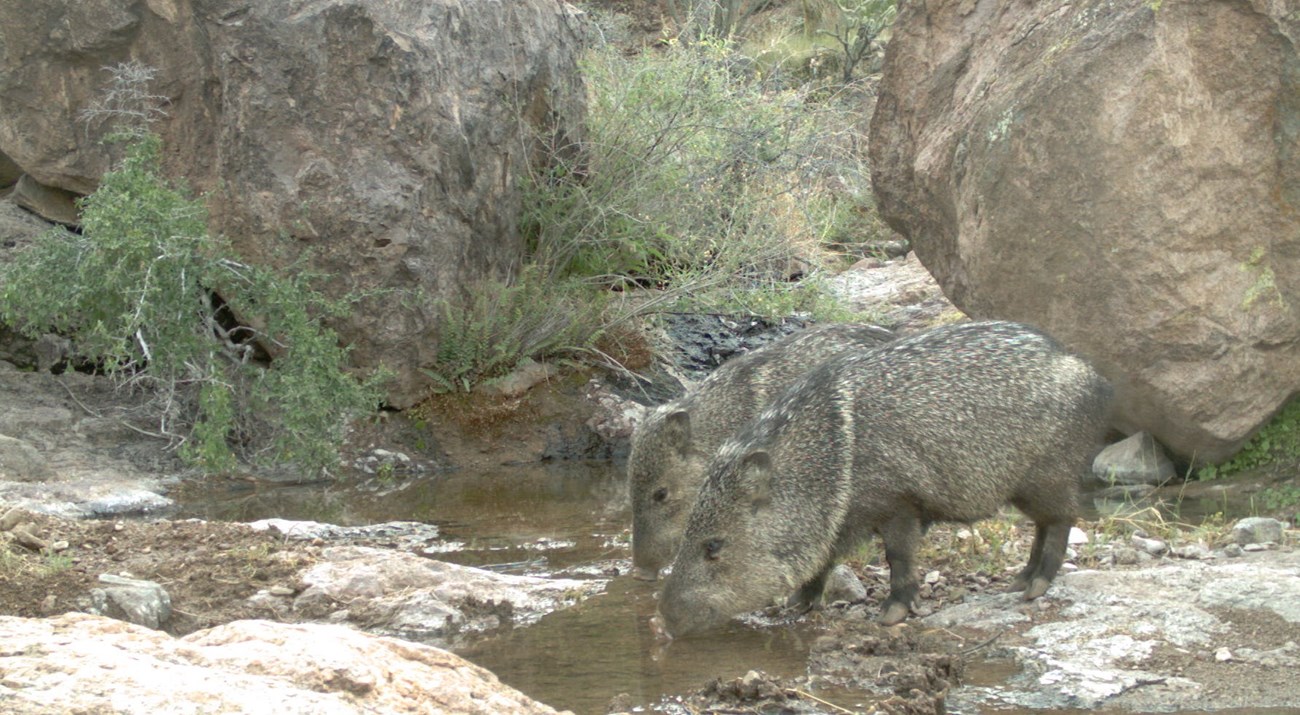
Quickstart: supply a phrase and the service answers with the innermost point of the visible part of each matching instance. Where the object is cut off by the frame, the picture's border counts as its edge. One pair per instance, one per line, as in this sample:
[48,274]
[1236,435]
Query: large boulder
[383,140]
[82,663]
[1122,173]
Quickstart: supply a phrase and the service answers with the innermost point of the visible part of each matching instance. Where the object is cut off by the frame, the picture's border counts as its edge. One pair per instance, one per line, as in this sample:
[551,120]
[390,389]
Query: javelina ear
[756,466]
[677,430]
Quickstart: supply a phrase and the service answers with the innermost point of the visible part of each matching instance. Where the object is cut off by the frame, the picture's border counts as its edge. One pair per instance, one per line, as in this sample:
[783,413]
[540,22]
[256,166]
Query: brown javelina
[675,442]
[946,425]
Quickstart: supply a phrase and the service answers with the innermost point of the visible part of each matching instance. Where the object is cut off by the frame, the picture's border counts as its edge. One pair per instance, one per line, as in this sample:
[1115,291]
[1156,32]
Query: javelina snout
[673,445]
[946,425]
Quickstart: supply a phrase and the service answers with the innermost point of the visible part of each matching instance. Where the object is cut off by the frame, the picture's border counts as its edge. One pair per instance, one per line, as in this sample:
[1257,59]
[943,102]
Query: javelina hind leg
[901,535]
[1026,574]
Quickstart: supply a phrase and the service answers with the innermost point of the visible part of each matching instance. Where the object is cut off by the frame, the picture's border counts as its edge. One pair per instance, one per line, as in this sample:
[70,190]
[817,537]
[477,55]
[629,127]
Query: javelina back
[946,425]
[673,445]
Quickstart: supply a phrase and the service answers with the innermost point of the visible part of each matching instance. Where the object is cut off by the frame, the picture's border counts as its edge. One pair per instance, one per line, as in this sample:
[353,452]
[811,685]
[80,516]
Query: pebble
[1223,655]
[281,591]
[1155,547]
[1125,556]
[1192,551]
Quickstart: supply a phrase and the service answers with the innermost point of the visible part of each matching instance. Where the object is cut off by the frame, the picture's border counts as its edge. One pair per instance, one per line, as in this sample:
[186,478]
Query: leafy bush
[696,177]
[156,301]
[1277,440]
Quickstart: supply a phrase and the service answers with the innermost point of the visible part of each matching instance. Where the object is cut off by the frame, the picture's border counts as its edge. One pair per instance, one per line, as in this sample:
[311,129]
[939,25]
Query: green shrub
[1275,441]
[696,177]
[505,322]
[149,295]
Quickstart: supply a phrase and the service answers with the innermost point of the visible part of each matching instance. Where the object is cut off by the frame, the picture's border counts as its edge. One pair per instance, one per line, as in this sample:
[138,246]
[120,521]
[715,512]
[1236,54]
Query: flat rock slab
[1204,634]
[401,594]
[81,663]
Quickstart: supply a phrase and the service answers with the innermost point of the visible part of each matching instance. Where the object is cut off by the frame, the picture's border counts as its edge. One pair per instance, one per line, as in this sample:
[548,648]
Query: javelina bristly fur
[946,425]
[673,445]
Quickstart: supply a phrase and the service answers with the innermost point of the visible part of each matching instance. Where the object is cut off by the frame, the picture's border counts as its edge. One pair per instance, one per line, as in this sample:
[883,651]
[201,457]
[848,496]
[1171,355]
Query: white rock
[82,663]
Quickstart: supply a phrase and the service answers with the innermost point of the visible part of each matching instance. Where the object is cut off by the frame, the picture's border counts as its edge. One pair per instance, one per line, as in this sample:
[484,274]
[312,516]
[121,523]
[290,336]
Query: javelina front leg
[1045,558]
[901,535]
[808,595]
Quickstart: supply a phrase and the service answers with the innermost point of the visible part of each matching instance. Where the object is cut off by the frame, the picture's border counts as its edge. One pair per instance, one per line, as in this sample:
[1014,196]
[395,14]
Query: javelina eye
[660,494]
[713,549]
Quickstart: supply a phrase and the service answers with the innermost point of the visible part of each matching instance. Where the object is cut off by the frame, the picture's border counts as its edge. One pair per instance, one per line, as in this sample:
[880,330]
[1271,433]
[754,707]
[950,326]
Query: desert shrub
[696,177]
[505,322]
[158,303]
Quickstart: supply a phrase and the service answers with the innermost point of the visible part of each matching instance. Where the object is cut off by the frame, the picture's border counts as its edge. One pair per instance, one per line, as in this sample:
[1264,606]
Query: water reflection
[559,515]
[581,658]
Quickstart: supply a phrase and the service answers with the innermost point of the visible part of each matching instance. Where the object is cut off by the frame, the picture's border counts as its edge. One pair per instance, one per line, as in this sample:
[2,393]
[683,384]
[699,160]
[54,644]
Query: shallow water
[538,520]
[567,517]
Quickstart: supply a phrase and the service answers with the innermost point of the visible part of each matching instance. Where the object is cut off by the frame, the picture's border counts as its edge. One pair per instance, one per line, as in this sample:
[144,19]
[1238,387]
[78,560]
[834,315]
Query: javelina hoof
[893,614]
[1037,587]
[642,573]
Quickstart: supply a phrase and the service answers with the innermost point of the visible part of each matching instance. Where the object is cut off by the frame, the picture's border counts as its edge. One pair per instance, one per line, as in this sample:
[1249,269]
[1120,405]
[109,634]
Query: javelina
[673,445]
[946,425]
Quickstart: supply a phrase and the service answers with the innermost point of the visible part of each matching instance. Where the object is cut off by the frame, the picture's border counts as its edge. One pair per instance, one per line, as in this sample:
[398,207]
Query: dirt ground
[208,568]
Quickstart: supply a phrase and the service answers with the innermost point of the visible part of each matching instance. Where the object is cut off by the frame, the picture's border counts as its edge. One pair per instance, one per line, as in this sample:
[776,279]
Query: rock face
[382,140]
[1122,174]
[81,663]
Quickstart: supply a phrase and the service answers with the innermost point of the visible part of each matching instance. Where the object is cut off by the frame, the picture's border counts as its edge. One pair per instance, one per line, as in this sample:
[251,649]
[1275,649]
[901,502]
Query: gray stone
[9,171]
[1137,459]
[1192,551]
[1121,174]
[21,462]
[50,203]
[143,603]
[1154,547]
[1257,530]
[843,585]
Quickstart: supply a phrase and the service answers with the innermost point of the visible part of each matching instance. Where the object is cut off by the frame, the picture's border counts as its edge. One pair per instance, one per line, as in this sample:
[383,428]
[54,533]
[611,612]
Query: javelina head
[660,468]
[734,555]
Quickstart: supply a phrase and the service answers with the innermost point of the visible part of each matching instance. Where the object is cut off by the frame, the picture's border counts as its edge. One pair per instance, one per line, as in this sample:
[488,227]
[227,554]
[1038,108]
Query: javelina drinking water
[673,445]
[946,425]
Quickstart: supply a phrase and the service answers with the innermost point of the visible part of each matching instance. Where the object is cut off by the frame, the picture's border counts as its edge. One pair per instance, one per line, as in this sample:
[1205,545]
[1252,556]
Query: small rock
[281,591]
[1077,536]
[21,462]
[143,603]
[1255,547]
[1155,547]
[1257,530]
[1223,655]
[23,535]
[12,518]
[843,585]
[60,545]
[1139,459]
[1232,550]
[1192,551]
